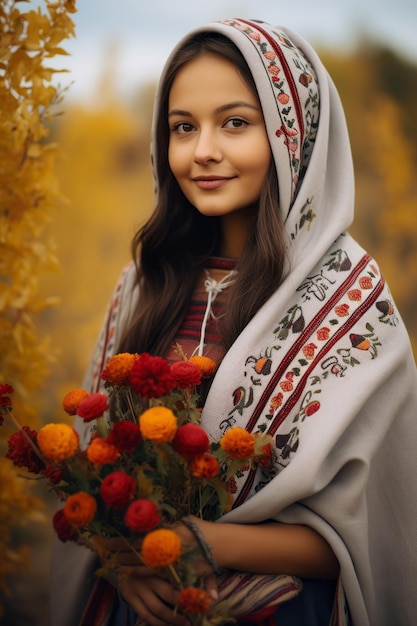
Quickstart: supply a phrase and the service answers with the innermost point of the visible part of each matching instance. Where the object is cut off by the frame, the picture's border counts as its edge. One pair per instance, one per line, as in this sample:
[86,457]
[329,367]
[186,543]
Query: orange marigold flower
[161,548]
[72,400]
[194,600]
[58,442]
[118,368]
[206,365]
[101,452]
[238,443]
[204,466]
[80,508]
[158,424]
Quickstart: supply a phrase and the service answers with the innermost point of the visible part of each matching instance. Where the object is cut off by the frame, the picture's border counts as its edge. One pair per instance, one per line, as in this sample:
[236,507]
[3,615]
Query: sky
[135,37]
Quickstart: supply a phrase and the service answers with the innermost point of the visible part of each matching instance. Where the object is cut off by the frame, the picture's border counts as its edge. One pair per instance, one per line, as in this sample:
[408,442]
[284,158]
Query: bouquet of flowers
[147,465]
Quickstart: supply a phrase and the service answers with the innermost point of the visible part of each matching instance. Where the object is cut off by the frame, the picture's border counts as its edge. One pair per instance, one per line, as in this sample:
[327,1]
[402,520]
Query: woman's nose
[207,147]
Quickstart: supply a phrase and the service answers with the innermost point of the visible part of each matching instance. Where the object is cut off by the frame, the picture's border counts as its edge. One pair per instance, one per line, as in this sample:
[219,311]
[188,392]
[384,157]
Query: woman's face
[218,148]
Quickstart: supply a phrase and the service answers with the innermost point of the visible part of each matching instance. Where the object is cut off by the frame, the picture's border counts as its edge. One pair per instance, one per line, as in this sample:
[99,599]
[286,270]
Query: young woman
[246,259]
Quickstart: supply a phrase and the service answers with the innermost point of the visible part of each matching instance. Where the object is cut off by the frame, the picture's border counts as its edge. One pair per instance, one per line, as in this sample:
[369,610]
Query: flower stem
[131,405]
[28,439]
[135,552]
[176,577]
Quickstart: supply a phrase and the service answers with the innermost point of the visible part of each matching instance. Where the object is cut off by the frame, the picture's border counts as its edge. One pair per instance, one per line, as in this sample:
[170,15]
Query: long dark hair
[171,249]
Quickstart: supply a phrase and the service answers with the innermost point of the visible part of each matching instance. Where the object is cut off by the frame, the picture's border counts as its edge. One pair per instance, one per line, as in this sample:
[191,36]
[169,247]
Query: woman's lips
[211,183]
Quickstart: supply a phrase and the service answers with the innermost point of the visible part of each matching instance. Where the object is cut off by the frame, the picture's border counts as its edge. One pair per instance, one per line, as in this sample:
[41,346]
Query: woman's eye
[183,127]
[236,122]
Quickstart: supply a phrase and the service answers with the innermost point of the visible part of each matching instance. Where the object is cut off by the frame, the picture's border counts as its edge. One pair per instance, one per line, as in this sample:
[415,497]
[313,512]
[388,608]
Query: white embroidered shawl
[325,366]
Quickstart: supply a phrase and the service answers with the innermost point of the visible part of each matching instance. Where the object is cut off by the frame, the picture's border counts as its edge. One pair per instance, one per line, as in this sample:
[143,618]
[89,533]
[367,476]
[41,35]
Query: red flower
[185,374]
[194,600]
[93,407]
[191,440]
[62,527]
[150,376]
[142,516]
[53,473]
[5,389]
[125,436]
[5,401]
[117,489]
[22,453]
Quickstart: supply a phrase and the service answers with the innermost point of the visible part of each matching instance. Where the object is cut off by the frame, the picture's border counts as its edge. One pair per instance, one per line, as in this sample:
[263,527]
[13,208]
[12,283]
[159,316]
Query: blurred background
[114,61]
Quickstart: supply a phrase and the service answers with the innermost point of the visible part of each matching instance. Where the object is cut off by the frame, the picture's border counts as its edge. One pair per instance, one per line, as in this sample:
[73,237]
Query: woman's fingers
[210,585]
[153,599]
[132,560]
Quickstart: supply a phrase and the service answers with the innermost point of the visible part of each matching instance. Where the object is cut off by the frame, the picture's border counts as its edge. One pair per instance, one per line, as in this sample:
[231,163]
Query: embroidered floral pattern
[297,106]
[388,315]
[337,339]
[307,215]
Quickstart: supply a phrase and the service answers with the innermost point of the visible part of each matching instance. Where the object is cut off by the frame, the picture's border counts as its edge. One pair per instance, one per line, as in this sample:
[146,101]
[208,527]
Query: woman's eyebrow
[220,109]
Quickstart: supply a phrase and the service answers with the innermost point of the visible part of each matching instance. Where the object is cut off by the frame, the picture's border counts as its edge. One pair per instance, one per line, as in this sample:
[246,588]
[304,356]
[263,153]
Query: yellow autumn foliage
[105,173]
[29,196]
[385,157]
[394,159]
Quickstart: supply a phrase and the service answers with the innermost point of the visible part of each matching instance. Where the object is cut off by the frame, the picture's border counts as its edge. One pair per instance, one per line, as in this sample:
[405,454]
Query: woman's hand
[203,568]
[152,598]
[121,551]
[148,592]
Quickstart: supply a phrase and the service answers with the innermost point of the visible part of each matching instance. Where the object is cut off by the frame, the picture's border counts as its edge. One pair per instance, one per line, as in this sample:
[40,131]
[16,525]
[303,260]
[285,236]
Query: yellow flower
[101,452]
[238,443]
[72,400]
[206,365]
[158,424]
[80,508]
[118,368]
[58,442]
[161,548]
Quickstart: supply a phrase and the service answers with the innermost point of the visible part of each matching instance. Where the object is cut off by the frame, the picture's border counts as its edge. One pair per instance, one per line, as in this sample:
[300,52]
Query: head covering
[325,366]
[295,92]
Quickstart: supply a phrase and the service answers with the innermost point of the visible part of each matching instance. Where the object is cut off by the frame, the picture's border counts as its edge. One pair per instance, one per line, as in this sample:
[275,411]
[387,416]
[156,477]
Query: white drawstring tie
[213,288]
